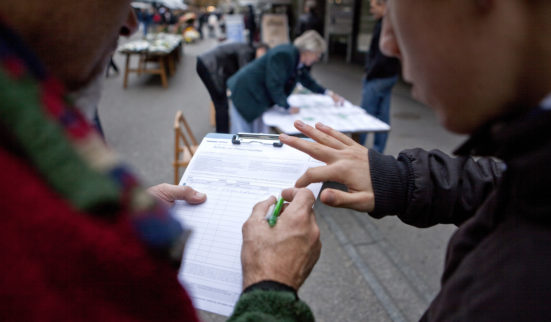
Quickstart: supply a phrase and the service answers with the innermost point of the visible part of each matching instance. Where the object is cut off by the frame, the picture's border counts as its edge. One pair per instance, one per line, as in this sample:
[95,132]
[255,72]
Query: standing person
[250,23]
[310,19]
[485,69]
[81,239]
[268,81]
[216,66]
[201,22]
[147,18]
[212,22]
[381,74]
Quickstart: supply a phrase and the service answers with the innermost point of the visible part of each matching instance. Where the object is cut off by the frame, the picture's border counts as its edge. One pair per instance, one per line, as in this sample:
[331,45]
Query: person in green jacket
[268,81]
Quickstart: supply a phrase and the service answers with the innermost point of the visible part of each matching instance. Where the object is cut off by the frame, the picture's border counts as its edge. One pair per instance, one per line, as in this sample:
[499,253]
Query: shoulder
[285,52]
[506,276]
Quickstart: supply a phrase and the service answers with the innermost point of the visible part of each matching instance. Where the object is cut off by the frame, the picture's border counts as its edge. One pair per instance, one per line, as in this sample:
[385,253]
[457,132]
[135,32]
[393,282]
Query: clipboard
[235,176]
[261,138]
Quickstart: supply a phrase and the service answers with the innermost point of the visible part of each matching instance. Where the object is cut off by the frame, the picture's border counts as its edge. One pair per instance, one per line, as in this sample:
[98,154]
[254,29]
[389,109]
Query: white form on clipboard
[235,177]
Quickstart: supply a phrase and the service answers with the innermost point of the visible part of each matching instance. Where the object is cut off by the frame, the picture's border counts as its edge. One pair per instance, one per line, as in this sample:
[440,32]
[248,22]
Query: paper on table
[235,178]
[321,108]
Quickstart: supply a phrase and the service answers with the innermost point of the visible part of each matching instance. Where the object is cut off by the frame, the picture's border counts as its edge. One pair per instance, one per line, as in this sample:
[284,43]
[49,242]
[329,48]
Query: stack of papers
[161,43]
[235,178]
[321,108]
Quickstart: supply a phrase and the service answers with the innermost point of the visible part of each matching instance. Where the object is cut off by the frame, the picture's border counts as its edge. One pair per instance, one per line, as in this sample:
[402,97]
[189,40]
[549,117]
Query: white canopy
[172,4]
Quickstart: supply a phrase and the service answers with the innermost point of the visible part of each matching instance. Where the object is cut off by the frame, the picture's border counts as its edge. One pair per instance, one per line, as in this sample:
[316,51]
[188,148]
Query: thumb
[361,201]
[261,208]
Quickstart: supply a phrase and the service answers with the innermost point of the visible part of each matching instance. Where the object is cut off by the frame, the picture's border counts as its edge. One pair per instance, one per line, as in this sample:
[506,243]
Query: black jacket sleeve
[425,188]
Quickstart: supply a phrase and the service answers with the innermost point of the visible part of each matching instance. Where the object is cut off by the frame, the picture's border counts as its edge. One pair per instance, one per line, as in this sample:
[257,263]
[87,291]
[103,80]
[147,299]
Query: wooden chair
[212,118]
[185,145]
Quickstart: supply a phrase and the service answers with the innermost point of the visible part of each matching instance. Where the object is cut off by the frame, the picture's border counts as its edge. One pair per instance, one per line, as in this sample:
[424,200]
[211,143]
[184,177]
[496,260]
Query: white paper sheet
[235,178]
[321,108]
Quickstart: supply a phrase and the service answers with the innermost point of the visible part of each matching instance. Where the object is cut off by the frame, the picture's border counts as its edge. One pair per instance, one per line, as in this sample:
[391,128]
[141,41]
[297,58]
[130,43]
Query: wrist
[269,285]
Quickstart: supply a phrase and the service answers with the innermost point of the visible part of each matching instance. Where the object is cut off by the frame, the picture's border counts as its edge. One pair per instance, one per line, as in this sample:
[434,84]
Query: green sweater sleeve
[307,81]
[276,76]
[263,305]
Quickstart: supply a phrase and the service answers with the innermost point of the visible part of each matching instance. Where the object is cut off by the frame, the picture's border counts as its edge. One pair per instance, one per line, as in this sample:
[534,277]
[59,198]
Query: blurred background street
[369,270]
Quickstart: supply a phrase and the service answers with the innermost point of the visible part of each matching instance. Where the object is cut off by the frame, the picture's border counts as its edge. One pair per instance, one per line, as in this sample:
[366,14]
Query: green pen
[277,210]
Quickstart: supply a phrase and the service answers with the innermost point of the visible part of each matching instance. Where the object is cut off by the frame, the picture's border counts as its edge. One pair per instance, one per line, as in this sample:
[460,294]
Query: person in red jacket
[81,239]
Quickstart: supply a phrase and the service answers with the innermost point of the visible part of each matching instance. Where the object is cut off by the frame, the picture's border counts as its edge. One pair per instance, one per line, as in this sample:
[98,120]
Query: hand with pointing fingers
[347,162]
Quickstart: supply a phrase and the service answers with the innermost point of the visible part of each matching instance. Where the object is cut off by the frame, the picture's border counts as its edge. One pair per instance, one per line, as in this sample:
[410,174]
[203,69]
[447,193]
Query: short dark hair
[261,45]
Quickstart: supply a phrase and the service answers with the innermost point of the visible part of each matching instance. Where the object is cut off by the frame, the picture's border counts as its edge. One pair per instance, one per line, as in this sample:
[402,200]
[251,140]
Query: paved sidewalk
[369,270]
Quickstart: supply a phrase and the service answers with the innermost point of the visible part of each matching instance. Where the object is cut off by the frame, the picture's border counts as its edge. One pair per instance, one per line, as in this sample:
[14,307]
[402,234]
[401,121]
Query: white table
[321,108]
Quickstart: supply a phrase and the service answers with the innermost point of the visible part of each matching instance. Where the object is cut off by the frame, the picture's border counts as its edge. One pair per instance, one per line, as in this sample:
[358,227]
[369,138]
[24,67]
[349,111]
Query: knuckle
[316,233]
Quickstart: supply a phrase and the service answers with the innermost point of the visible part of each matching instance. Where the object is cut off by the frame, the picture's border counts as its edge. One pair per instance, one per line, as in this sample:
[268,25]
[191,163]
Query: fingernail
[283,136]
[321,125]
[299,123]
[199,195]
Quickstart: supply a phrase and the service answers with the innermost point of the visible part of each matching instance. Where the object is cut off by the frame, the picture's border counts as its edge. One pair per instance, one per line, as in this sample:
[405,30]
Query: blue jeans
[376,101]
[239,124]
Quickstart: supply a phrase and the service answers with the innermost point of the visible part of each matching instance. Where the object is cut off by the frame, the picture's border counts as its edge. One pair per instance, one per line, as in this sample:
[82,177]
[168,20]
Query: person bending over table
[217,65]
[268,81]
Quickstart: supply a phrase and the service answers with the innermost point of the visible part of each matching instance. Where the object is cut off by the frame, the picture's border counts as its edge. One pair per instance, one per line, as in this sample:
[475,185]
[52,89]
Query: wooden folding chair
[183,148]
[212,117]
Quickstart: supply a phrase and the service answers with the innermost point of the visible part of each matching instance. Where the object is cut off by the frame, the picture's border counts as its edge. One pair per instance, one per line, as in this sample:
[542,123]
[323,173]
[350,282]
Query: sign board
[275,29]
[235,28]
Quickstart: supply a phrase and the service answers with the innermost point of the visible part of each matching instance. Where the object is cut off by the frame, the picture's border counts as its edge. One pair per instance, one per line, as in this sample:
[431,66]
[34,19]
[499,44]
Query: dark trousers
[219,98]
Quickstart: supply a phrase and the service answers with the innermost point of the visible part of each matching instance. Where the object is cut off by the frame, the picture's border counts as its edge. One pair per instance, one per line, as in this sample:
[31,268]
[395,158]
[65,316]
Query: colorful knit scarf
[69,154]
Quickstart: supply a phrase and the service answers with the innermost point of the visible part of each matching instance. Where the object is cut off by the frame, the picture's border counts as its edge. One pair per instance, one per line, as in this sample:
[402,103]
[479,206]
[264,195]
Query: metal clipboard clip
[262,138]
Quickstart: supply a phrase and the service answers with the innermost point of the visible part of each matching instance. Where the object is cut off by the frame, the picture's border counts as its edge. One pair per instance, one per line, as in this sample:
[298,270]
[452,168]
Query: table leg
[126,71]
[171,68]
[162,70]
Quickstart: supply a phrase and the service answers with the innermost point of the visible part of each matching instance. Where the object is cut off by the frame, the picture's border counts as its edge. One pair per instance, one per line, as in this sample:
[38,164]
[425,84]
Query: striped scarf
[68,153]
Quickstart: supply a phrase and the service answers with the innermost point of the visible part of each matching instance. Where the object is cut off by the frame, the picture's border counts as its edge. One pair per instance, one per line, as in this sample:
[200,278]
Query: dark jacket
[224,61]
[498,261]
[268,81]
[309,21]
[377,65]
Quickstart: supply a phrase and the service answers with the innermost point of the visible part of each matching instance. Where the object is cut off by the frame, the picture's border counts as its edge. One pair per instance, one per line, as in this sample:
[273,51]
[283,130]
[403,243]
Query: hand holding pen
[286,252]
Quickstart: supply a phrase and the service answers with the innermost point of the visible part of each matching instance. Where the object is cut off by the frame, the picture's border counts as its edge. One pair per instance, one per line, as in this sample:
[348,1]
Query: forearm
[307,81]
[426,188]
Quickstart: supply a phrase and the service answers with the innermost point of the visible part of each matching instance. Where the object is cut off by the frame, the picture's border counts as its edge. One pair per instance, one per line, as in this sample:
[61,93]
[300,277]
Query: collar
[511,135]
[546,103]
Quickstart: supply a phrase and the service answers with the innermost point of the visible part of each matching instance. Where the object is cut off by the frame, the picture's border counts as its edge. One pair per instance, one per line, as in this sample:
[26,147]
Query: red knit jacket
[58,264]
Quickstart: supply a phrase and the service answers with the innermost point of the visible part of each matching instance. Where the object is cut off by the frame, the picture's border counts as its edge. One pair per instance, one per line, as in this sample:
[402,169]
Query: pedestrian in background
[310,19]
[216,66]
[268,81]
[381,74]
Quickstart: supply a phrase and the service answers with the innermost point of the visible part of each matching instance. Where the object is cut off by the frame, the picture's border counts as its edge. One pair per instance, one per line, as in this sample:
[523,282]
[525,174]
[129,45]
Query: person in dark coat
[269,80]
[381,74]
[497,189]
[217,65]
[310,19]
